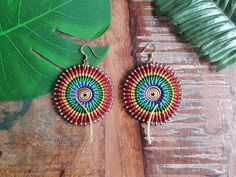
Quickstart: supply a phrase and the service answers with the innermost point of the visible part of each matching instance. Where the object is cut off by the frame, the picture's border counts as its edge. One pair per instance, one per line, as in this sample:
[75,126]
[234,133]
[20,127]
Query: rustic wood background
[199,142]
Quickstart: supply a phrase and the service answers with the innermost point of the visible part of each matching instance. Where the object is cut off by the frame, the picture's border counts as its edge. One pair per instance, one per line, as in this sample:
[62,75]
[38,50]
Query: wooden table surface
[199,142]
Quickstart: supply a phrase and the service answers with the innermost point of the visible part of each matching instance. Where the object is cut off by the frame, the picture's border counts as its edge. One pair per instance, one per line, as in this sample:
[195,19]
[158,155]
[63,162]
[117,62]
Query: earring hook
[86,56]
[150,55]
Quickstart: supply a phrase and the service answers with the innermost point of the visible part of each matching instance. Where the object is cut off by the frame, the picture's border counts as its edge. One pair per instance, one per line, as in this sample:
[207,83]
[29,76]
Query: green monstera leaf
[32,53]
[208,24]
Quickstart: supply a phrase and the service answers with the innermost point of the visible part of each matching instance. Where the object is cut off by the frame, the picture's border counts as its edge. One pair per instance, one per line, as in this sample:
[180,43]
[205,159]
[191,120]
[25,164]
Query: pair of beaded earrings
[83,94]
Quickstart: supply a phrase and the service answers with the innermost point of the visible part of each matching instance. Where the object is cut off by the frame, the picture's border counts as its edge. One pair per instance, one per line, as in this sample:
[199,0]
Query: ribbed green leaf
[208,24]
[28,27]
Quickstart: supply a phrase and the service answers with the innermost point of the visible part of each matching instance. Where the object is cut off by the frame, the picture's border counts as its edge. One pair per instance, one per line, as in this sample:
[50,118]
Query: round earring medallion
[82,87]
[149,85]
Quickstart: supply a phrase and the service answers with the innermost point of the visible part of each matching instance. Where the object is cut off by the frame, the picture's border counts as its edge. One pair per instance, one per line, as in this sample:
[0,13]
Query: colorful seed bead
[83,85]
[148,86]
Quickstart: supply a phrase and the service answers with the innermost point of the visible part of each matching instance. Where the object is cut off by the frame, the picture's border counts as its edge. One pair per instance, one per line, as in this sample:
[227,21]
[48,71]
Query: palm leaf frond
[209,25]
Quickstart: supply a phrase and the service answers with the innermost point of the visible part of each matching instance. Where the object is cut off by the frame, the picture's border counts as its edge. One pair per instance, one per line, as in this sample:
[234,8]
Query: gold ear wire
[150,60]
[150,55]
[85,63]
[86,56]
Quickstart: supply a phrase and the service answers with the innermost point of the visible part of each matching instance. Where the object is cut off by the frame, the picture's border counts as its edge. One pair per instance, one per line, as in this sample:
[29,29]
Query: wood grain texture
[36,142]
[200,140]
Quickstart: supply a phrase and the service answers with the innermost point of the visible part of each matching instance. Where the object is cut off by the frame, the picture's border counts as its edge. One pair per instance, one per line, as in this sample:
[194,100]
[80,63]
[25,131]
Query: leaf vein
[49,42]
[69,16]
[19,12]
[33,19]
[26,61]
[3,71]
[50,6]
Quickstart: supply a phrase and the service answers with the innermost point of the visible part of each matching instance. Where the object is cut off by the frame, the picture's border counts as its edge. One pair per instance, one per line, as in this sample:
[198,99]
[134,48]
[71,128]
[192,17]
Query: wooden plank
[36,142]
[200,140]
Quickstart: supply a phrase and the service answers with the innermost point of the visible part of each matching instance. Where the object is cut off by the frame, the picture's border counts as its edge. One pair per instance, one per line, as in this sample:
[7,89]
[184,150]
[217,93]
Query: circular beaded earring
[83,94]
[152,93]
